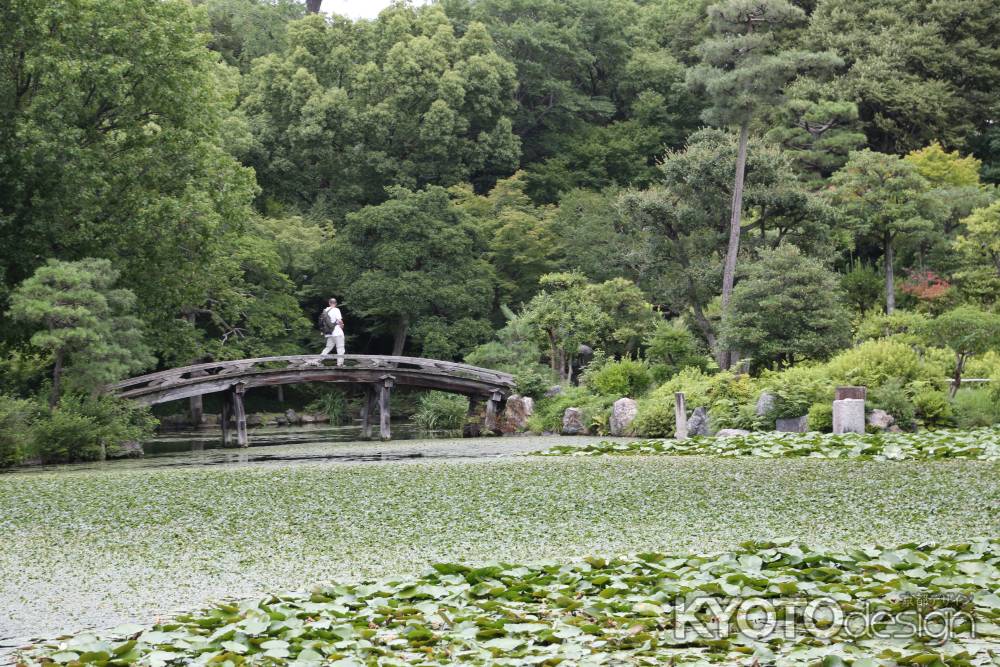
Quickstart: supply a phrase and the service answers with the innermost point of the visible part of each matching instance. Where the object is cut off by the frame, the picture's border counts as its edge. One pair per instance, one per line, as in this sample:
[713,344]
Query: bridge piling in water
[472,424]
[224,419]
[367,411]
[241,415]
[492,412]
[384,391]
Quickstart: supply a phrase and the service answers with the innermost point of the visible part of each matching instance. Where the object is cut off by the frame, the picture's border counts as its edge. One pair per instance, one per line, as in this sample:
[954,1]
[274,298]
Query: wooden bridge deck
[377,375]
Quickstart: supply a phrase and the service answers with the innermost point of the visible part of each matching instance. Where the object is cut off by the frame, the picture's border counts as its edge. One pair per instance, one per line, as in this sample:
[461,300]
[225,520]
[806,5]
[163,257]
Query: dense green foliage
[439,411]
[597,609]
[786,309]
[980,444]
[82,321]
[448,170]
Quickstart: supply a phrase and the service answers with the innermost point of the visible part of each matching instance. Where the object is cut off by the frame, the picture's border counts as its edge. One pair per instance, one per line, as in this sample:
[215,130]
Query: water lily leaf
[503,643]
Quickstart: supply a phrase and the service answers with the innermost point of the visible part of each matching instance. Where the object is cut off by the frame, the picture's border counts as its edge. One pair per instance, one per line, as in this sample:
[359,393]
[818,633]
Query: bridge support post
[492,412]
[197,409]
[472,424]
[241,416]
[227,411]
[367,411]
[384,390]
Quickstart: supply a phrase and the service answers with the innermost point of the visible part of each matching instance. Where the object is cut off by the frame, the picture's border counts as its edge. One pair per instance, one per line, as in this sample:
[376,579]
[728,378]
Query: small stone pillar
[680,416]
[849,410]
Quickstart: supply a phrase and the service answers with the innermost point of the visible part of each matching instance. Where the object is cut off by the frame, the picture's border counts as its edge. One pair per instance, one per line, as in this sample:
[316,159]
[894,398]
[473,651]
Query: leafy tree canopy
[83,321]
[113,120]
[966,331]
[412,265]
[788,308]
[348,109]
[918,71]
[883,197]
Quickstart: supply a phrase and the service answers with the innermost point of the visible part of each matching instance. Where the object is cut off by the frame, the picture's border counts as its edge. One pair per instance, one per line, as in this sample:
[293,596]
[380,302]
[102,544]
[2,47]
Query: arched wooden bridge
[377,375]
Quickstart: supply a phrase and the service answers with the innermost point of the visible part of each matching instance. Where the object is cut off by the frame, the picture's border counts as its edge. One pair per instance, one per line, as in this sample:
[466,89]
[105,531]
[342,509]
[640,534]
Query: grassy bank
[103,547]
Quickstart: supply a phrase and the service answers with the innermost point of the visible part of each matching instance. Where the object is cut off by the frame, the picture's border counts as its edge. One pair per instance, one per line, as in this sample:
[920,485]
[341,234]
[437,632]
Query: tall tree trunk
[56,380]
[735,218]
[956,381]
[701,321]
[890,276]
[554,361]
[312,6]
[399,338]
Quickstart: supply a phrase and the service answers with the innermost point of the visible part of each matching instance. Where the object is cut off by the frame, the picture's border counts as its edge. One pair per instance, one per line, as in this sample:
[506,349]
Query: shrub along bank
[79,428]
[908,381]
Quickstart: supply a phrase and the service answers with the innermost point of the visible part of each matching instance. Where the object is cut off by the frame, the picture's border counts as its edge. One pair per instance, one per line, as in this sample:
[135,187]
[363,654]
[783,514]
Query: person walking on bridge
[332,324]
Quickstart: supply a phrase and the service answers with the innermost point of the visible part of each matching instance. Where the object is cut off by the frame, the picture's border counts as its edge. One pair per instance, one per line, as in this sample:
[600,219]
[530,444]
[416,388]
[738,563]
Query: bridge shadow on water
[290,444]
[310,444]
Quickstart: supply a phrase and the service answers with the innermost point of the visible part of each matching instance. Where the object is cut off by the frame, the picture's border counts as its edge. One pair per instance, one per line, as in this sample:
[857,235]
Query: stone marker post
[680,416]
[849,410]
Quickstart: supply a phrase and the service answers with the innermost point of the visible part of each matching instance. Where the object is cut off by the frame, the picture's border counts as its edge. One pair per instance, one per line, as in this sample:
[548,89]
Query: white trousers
[335,341]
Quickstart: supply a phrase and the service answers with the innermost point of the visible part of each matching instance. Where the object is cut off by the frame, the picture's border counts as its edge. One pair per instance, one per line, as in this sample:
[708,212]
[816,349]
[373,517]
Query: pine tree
[744,71]
[883,196]
[82,319]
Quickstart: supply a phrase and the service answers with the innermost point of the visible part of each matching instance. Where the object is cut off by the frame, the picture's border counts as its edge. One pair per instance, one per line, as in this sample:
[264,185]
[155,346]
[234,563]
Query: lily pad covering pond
[646,609]
[977,444]
[95,548]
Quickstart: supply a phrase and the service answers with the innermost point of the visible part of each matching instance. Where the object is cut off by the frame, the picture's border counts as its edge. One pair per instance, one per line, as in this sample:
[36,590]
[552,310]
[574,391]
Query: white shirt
[333,315]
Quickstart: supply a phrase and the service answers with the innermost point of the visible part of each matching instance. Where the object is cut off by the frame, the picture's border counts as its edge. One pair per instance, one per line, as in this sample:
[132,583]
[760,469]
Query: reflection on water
[307,443]
[172,442]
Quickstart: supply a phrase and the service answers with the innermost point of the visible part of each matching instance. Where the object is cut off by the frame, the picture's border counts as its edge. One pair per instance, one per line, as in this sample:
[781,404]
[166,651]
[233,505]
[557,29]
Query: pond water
[312,443]
[40,593]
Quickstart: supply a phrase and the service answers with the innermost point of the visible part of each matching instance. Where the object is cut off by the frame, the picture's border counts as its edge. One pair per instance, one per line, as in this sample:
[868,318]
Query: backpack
[325,325]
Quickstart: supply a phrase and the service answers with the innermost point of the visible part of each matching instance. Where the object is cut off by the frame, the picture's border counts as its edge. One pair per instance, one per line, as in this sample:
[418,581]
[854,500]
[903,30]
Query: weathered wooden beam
[384,390]
[212,384]
[367,410]
[283,363]
[241,416]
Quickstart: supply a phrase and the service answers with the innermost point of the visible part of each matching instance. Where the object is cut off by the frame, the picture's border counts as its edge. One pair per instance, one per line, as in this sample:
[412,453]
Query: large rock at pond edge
[792,424]
[622,415]
[732,433]
[127,450]
[573,422]
[515,415]
[698,422]
[881,420]
[292,416]
[254,420]
[765,403]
